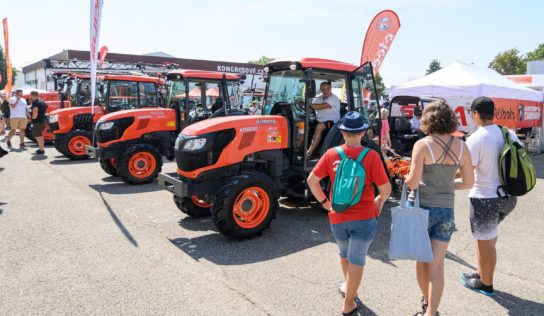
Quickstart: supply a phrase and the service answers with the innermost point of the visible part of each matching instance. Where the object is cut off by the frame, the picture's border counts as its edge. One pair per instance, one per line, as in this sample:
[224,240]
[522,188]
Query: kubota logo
[384,24]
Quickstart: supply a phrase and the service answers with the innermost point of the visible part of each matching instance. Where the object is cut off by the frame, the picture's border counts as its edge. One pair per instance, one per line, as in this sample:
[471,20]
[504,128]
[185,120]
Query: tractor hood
[260,124]
[149,113]
[76,110]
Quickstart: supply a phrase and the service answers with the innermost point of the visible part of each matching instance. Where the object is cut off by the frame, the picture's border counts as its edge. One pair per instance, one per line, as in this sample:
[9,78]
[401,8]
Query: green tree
[261,61]
[380,86]
[3,70]
[433,66]
[509,62]
[536,54]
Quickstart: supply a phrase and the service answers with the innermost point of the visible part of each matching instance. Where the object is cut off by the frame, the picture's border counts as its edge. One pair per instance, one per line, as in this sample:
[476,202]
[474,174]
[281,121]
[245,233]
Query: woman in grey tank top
[435,162]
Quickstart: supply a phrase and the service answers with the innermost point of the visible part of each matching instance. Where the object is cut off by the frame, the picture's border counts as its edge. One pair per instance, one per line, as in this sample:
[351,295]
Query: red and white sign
[378,38]
[96,12]
[103,53]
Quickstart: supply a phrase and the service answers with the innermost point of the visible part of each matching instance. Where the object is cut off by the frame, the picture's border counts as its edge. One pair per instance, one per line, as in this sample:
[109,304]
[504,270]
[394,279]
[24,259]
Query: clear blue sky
[237,31]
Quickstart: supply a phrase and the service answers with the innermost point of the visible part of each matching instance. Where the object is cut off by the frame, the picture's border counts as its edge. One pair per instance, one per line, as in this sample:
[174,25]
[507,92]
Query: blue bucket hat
[353,122]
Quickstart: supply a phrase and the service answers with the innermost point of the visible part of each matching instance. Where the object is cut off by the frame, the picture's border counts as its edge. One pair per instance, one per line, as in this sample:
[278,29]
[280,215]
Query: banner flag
[378,39]
[9,73]
[96,12]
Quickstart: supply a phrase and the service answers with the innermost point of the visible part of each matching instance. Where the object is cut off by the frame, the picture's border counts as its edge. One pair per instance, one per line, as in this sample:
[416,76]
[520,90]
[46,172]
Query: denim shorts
[354,238]
[441,222]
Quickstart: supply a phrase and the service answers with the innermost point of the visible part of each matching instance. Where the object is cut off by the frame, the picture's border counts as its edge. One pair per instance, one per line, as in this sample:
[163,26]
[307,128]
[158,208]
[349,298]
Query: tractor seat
[401,124]
[217,105]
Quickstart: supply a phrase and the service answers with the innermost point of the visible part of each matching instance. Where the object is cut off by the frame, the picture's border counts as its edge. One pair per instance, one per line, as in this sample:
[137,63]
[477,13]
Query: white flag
[96,13]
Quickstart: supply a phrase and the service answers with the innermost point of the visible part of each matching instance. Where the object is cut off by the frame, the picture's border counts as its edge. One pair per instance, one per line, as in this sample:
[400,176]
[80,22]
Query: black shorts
[328,124]
[486,214]
[37,129]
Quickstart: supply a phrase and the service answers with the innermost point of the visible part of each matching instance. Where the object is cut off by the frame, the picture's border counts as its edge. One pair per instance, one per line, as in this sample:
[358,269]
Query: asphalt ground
[74,240]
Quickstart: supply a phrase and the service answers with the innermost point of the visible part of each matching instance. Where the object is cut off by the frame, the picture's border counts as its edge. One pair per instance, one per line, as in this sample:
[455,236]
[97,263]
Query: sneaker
[8,143]
[3,152]
[477,286]
[39,152]
[22,146]
[469,275]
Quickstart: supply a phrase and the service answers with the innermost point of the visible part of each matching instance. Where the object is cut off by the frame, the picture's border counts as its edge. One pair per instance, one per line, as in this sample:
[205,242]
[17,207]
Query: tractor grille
[53,126]
[208,155]
[83,121]
[116,132]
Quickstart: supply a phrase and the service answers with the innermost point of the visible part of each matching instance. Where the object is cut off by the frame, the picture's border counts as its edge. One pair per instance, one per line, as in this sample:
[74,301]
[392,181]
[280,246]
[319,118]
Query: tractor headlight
[194,144]
[53,118]
[105,125]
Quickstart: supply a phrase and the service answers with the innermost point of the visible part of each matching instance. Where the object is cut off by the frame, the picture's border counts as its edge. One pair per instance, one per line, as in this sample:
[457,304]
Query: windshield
[202,95]
[126,95]
[80,92]
[362,87]
[284,86]
[234,91]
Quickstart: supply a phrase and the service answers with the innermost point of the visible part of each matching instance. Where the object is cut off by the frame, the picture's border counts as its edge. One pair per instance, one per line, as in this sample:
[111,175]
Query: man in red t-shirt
[355,228]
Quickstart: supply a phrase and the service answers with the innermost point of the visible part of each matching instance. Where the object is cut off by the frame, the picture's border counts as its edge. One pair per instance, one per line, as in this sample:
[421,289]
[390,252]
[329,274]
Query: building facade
[38,74]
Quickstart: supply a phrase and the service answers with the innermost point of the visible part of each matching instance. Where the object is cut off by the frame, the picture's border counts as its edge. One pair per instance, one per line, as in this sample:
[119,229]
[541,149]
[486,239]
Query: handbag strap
[403,197]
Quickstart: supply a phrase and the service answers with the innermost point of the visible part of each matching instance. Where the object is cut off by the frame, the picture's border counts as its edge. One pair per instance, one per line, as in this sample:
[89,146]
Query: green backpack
[349,181]
[517,173]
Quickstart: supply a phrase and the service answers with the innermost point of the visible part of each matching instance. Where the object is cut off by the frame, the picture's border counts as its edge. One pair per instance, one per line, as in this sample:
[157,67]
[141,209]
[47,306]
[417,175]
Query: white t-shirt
[415,123]
[20,110]
[328,114]
[485,147]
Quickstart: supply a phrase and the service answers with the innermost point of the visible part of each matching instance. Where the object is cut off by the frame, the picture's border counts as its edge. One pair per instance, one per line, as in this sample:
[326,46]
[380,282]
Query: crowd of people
[440,164]
[15,113]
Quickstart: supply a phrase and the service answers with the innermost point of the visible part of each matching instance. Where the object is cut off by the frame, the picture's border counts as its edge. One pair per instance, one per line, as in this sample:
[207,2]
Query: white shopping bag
[409,236]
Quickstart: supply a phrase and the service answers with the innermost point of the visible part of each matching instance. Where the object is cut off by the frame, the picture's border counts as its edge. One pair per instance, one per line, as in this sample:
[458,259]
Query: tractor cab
[402,132]
[70,87]
[198,95]
[292,86]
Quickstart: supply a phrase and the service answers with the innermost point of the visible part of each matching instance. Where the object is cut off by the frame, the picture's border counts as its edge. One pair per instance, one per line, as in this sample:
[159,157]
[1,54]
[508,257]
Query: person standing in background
[38,120]
[18,118]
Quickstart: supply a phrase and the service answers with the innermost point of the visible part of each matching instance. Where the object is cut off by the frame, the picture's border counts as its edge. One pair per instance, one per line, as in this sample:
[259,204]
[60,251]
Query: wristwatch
[323,202]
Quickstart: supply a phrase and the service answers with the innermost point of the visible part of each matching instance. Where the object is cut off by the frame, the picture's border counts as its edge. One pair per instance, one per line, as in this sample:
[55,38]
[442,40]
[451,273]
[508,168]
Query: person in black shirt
[38,120]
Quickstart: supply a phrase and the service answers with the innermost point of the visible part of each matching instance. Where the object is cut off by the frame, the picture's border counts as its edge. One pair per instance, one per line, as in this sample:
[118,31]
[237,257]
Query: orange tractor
[131,143]
[72,127]
[64,96]
[237,167]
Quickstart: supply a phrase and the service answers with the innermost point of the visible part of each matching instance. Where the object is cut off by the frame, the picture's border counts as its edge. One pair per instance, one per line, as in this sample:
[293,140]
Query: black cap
[483,105]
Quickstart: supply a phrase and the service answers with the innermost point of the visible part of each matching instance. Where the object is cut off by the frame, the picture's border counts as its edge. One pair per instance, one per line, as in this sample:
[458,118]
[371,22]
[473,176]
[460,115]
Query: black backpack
[516,169]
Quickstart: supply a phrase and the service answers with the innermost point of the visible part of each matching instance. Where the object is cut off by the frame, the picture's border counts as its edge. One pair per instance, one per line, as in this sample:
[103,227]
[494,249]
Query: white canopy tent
[464,80]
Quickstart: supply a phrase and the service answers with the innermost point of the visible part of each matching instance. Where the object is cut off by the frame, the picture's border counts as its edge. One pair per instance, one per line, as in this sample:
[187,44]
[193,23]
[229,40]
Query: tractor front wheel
[245,206]
[193,206]
[73,144]
[139,164]
[108,166]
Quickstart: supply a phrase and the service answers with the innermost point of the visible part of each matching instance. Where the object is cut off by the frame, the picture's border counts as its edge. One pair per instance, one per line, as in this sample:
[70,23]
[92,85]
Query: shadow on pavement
[457,259]
[517,305]
[117,221]
[365,311]
[67,161]
[120,187]
[1,210]
[38,157]
[294,230]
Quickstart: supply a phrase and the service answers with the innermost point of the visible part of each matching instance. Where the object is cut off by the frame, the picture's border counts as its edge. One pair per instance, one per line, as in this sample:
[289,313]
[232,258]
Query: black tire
[223,204]
[124,168]
[187,206]
[108,167]
[63,145]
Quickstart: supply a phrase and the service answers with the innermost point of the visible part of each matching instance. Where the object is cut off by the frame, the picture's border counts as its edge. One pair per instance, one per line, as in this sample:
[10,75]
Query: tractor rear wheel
[245,206]
[108,166]
[139,164]
[73,144]
[193,206]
